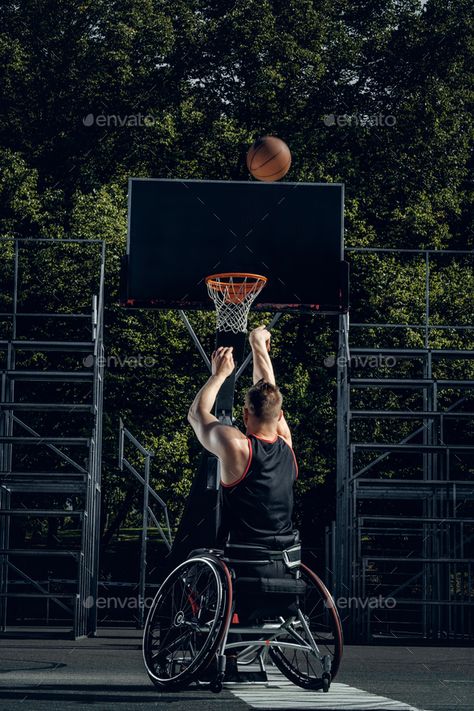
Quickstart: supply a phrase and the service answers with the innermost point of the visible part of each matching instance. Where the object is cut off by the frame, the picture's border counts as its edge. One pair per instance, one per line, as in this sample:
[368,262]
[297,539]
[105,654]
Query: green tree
[375,96]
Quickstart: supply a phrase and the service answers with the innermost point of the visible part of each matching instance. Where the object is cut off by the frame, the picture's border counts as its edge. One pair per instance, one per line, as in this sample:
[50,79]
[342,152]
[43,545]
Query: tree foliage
[376,96]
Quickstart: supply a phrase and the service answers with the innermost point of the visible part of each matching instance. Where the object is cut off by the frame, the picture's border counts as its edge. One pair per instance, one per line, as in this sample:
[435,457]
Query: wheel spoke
[185,623]
[318,628]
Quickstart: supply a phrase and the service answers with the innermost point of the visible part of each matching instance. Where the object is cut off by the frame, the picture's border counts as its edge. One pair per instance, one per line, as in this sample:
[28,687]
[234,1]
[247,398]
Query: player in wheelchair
[228,608]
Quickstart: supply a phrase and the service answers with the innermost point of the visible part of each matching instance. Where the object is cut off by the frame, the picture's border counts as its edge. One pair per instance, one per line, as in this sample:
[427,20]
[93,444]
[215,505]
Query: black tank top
[258,507]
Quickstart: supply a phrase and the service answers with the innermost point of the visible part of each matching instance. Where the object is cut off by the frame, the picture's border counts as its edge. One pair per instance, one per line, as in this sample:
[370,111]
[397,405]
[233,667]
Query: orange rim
[236,291]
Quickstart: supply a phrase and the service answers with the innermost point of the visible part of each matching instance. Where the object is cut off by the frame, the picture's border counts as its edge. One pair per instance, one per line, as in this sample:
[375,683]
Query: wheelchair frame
[193,623]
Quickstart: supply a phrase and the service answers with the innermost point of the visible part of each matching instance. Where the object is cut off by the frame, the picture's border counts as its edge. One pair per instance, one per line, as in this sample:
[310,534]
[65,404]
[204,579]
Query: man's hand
[262,365]
[260,336]
[223,362]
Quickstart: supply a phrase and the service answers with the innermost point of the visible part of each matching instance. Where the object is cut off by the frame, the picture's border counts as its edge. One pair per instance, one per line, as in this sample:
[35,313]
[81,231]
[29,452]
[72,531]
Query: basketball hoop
[233,294]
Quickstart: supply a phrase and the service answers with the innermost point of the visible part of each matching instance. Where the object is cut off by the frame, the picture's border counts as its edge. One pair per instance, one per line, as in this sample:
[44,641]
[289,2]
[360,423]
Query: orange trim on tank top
[249,461]
[271,441]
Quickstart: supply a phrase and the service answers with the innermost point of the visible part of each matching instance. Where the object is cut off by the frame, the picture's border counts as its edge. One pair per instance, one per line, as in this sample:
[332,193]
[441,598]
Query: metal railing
[52,484]
[358,553]
[148,515]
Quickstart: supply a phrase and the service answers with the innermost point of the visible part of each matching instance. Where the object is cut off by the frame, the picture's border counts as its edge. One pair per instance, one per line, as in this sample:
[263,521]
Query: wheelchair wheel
[319,611]
[187,621]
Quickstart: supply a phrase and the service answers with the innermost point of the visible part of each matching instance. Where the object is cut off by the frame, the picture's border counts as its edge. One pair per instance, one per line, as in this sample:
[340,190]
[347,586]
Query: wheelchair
[292,619]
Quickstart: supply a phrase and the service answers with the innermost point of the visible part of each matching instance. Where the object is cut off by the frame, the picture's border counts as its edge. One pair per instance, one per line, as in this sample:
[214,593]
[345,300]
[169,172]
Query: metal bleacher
[50,432]
[403,540]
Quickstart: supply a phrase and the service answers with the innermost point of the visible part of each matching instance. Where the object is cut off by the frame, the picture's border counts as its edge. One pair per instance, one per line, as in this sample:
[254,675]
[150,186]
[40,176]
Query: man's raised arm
[262,365]
[263,370]
[226,442]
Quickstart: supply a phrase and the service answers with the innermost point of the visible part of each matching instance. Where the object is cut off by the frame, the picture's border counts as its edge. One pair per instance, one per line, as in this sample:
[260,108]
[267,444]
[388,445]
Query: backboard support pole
[196,340]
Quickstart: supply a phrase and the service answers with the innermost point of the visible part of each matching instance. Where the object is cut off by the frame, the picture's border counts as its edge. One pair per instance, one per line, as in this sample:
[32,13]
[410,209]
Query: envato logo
[112,361]
[118,603]
[359,120]
[118,121]
[372,603]
[360,361]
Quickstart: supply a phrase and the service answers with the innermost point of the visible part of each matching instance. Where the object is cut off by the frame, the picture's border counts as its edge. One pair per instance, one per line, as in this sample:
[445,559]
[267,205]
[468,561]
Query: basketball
[268,158]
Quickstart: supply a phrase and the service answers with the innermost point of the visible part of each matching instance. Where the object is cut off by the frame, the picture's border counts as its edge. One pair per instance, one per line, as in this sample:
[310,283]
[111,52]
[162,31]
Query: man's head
[262,407]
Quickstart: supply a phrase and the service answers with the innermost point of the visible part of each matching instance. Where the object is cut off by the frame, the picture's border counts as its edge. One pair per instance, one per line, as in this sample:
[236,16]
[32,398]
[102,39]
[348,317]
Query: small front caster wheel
[216,686]
[326,682]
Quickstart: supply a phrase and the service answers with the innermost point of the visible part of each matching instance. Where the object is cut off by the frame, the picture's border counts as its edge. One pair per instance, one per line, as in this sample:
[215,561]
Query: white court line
[279,693]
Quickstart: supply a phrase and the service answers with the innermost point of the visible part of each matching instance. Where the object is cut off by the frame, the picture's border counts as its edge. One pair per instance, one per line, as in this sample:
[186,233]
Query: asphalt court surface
[106,672]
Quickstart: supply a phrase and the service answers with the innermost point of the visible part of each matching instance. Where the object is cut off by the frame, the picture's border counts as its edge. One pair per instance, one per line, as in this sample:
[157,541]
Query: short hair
[264,401]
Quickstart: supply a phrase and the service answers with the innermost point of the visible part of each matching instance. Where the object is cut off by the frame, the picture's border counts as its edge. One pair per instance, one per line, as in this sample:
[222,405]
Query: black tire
[216,686]
[196,595]
[303,668]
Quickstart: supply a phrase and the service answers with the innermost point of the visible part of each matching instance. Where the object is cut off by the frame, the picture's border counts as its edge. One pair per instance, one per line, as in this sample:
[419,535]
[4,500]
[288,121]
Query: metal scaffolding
[148,515]
[51,430]
[402,548]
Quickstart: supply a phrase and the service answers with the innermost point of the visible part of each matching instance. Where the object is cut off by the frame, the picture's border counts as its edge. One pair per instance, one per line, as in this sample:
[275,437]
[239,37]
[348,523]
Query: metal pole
[121,445]
[98,331]
[427,300]
[143,550]
[333,557]
[15,290]
[342,544]
[327,548]
[7,449]
[196,340]
[4,572]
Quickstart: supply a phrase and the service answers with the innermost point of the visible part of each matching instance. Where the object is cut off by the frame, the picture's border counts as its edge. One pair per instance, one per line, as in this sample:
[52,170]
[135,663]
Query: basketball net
[233,294]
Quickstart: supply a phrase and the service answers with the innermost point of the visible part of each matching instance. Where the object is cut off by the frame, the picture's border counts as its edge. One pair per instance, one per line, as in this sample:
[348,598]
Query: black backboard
[180,231]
